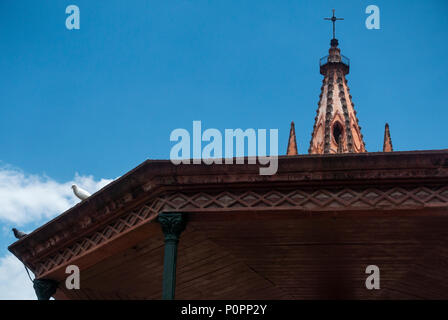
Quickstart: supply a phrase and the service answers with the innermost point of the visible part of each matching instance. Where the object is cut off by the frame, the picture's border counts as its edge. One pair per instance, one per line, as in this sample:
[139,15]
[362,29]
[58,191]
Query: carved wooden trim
[295,199]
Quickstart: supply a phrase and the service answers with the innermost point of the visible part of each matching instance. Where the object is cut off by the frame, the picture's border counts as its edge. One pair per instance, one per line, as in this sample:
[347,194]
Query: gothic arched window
[337,132]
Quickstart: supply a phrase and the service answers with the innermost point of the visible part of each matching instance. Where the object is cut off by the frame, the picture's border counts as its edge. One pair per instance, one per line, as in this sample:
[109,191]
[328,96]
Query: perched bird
[18,234]
[80,193]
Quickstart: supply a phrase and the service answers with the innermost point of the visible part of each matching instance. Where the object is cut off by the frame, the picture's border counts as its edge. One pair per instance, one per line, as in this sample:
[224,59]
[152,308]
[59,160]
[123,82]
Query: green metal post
[44,288]
[172,226]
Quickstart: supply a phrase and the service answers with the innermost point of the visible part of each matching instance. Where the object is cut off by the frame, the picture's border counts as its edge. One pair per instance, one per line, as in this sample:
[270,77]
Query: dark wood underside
[290,257]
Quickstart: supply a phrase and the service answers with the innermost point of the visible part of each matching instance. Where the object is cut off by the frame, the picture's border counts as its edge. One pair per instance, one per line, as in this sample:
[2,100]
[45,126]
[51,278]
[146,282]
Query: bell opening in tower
[337,132]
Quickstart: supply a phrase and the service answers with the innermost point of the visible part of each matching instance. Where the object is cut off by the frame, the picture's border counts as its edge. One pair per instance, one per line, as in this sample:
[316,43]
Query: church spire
[387,146]
[292,143]
[336,128]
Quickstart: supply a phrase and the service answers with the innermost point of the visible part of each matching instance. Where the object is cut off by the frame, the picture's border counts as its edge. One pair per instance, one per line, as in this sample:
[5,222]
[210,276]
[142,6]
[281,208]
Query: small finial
[292,143]
[387,145]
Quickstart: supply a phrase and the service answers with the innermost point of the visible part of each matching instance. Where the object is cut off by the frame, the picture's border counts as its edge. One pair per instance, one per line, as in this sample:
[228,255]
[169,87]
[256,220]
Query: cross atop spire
[333,19]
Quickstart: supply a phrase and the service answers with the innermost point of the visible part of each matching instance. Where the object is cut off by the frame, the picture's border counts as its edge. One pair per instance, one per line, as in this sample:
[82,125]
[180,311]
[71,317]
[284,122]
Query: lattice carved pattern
[319,199]
[130,220]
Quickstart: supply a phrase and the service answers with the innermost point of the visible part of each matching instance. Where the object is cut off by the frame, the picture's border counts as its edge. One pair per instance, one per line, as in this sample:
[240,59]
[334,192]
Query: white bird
[80,193]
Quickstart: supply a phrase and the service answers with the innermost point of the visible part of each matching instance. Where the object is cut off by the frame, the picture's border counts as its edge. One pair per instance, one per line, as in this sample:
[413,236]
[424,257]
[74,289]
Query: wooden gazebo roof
[307,232]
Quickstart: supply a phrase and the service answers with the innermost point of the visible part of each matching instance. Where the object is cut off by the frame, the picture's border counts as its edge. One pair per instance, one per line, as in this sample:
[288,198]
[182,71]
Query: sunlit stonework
[336,128]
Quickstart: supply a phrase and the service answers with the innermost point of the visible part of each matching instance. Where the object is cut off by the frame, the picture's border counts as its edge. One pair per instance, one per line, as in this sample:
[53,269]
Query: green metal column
[172,226]
[44,288]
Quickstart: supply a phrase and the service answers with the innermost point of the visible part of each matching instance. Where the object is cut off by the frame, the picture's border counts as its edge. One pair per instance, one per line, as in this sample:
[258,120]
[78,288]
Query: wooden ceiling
[289,257]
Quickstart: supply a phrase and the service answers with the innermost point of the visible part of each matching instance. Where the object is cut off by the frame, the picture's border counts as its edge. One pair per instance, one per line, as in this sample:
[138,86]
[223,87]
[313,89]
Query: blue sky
[94,103]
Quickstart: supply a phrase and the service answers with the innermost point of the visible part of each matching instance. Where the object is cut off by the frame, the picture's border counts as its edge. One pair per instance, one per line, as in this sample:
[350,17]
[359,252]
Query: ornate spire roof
[387,146]
[336,128]
[292,143]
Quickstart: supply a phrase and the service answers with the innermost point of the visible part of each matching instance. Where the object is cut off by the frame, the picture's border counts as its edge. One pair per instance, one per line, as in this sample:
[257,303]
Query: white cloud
[28,198]
[14,281]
